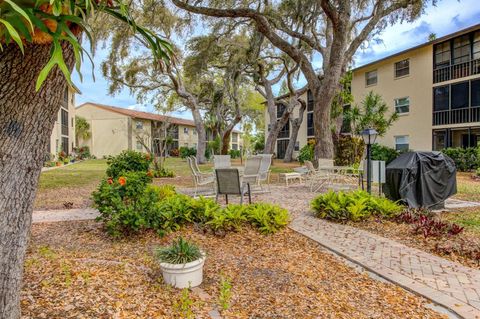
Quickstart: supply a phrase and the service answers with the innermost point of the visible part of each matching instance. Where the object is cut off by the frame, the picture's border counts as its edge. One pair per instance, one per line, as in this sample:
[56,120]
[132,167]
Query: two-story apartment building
[63,133]
[114,129]
[434,87]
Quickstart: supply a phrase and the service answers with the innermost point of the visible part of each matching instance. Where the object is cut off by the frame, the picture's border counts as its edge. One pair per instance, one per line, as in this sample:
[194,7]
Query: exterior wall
[417,124]
[67,104]
[188,138]
[110,133]
[144,133]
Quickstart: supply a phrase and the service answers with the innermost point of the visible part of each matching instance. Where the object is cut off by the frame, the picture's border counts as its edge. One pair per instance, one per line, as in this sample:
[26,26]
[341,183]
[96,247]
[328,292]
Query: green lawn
[78,174]
[470,219]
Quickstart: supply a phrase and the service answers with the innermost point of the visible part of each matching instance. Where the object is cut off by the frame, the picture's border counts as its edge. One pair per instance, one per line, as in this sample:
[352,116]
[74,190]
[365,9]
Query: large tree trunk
[201,135]
[225,143]
[26,122]
[296,123]
[274,131]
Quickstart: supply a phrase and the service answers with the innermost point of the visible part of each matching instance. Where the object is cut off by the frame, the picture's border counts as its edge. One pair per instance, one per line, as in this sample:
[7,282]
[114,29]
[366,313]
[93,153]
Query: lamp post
[369,136]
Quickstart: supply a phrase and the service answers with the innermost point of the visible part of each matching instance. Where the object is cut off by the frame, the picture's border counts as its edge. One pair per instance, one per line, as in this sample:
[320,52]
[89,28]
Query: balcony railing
[457,116]
[456,71]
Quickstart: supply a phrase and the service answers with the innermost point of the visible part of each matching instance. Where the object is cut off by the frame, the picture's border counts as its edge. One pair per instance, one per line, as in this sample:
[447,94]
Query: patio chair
[222,161]
[199,179]
[316,178]
[264,174]
[229,183]
[195,163]
[251,173]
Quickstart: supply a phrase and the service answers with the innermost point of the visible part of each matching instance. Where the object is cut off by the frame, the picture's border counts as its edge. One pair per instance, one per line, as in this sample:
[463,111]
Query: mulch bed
[73,270]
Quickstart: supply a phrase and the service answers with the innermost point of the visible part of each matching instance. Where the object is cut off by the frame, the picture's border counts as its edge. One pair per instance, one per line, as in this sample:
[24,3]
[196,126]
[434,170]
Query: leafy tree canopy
[51,22]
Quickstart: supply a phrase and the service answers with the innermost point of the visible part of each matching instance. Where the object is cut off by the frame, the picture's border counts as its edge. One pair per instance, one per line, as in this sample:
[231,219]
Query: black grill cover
[421,179]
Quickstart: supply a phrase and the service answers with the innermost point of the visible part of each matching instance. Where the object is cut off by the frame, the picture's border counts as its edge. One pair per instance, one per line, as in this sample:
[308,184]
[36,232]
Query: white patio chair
[251,173]
[199,178]
[316,178]
[222,161]
[264,174]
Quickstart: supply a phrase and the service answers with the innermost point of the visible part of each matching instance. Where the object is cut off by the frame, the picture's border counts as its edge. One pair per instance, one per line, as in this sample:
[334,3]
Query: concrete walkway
[444,282]
[62,215]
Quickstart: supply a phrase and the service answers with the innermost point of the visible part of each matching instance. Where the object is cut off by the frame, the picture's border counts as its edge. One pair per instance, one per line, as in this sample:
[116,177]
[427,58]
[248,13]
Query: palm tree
[82,129]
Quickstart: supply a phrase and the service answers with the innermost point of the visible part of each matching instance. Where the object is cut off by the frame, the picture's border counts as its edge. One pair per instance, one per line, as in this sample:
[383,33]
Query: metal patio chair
[316,178]
[251,173]
[229,183]
[222,161]
[264,173]
[199,178]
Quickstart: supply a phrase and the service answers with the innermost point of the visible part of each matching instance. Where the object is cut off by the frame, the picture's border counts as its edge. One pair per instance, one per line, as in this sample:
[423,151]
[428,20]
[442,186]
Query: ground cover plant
[129,203]
[353,206]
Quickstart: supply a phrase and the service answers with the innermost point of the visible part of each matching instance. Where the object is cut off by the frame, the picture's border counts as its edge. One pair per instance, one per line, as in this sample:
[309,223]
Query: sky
[445,18]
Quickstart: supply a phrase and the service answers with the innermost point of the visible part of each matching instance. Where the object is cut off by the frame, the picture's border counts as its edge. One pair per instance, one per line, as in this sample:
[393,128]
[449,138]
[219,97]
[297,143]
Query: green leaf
[20,11]
[13,33]
[55,59]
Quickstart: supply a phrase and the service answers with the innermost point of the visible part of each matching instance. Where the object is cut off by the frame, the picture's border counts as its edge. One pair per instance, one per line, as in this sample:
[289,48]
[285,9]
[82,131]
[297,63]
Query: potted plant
[181,264]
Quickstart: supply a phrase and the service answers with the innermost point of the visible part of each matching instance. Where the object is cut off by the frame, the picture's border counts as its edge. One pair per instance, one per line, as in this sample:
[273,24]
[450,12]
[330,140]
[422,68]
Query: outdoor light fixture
[369,136]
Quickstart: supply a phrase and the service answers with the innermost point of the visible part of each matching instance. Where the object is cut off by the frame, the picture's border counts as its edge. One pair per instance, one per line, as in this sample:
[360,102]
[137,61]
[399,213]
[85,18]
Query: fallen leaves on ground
[73,270]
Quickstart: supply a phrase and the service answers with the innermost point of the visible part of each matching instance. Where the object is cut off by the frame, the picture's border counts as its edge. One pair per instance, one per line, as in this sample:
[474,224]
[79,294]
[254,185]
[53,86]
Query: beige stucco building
[63,133]
[114,129]
[434,87]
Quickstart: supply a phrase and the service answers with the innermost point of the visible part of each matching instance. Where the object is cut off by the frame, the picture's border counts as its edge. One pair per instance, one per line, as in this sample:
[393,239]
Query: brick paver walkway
[449,284]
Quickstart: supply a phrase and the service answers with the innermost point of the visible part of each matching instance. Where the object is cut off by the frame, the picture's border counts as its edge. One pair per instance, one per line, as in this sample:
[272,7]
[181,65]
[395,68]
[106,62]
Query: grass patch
[78,174]
[468,219]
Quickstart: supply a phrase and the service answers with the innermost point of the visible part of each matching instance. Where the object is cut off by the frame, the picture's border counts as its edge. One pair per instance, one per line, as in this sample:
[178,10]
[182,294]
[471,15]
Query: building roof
[145,115]
[438,40]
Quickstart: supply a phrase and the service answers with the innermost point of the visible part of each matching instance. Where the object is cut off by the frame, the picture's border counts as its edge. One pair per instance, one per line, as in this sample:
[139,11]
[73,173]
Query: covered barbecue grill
[421,179]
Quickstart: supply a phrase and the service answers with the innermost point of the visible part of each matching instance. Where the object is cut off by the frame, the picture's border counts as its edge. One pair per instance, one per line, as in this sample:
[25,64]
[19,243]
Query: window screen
[440,98]
[402,105]
[442,54]
[459,95]
[402,68]
[461,49]
[371,78]
[475,92]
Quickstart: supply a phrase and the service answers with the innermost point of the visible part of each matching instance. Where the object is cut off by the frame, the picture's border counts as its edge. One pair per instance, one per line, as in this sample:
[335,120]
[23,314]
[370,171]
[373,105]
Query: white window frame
[139,146]
[185,130]
[397,105]
[407,140]
[139,125]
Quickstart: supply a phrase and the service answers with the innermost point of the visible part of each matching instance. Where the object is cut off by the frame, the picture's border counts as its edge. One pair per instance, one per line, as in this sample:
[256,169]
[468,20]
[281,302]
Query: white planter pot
[183,275]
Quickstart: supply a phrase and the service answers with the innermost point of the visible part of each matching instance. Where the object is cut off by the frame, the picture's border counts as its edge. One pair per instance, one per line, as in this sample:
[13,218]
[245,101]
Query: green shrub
[126,204]
[465,158]
[348,150]
[163,172]
[234,153]
[187,151]
[307,153]
[383,153]
[267,218]
[180,251]
[354,206]
[128,161]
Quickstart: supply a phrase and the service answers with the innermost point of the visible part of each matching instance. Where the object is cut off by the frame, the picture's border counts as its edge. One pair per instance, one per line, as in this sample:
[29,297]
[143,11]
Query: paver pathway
[449,284]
